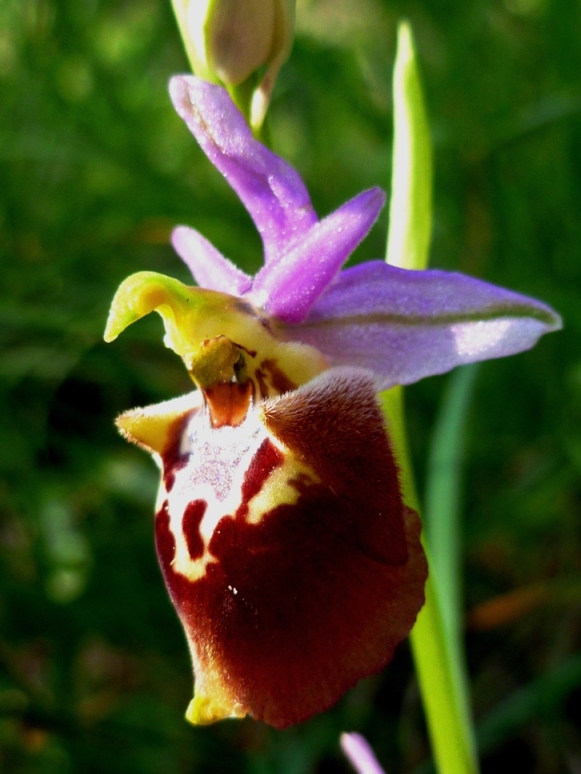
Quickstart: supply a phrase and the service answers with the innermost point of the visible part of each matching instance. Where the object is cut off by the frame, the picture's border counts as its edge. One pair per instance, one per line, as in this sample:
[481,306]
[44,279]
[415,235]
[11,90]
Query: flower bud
[229,40]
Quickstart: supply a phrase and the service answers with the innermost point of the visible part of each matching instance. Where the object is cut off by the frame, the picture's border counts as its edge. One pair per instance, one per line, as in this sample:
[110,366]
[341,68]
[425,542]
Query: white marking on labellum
[218,461]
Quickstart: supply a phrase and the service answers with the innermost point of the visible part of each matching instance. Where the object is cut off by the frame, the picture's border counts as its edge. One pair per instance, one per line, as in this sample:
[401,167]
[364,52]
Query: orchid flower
[289,554]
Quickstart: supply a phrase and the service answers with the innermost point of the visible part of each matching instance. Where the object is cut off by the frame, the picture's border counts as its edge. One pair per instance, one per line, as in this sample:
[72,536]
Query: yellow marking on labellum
[279,488]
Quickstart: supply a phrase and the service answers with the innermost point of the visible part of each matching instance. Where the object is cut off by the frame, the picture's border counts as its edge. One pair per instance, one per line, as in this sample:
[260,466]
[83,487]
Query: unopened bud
[229,40]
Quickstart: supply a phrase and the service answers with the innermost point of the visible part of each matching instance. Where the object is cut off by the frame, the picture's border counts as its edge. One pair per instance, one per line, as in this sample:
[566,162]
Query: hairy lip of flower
[286,548]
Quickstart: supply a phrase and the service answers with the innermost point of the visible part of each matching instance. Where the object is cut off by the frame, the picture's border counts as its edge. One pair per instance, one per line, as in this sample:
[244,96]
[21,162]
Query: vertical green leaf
[410,210]
[443,528]
[443,492]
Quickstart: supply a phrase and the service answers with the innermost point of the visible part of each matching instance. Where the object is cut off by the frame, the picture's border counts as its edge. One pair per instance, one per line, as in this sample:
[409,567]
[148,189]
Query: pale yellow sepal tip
[204,710]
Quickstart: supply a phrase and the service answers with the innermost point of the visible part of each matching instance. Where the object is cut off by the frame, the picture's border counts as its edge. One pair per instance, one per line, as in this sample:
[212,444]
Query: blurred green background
[95,169]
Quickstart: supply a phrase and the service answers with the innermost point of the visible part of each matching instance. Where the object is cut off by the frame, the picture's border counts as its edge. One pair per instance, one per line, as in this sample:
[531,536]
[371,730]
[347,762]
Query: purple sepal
[209,267]
[406,325]
[270,189]
[289,287]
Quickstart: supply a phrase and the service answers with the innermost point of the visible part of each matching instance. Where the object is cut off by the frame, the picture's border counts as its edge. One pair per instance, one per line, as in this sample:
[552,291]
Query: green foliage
[95,169]
[410,208]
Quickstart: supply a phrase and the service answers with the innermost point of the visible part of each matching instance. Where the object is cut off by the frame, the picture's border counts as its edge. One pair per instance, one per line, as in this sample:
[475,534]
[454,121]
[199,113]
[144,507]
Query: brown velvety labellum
[307,570]
[336,425]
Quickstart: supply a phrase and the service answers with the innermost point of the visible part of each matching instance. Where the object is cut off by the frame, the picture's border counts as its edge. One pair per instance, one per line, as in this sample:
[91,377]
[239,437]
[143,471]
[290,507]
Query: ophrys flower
[289,554]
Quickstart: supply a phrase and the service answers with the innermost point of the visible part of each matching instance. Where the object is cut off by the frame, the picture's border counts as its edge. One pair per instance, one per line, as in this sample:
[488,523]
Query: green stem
[446,712]
[242,97]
